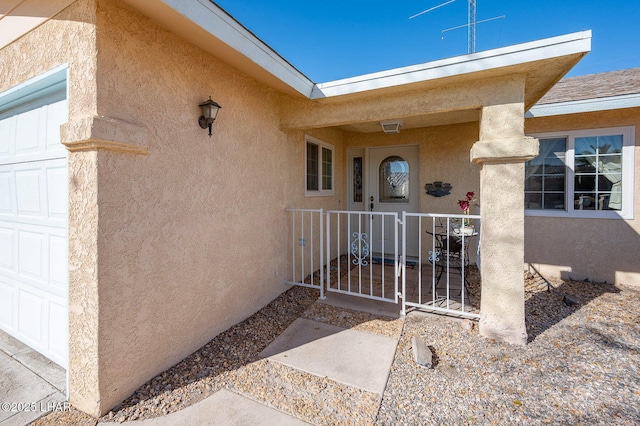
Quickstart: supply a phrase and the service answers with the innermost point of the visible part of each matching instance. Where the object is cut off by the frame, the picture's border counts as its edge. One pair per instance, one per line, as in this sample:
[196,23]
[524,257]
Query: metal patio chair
[451,253]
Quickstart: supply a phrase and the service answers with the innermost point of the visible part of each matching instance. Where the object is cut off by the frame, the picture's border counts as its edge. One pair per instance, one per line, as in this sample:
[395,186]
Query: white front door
[393,181]
[33,225]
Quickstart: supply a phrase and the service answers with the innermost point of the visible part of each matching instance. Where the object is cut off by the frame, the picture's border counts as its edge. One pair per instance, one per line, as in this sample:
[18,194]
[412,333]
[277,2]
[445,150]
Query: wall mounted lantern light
[209,111]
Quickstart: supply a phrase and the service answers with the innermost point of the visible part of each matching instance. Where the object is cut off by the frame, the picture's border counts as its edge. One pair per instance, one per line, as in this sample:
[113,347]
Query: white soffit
[18,17]
[585,105]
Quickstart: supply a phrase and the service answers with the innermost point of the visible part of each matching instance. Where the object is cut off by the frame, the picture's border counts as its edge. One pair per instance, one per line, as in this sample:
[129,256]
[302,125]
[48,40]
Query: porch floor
[376,280]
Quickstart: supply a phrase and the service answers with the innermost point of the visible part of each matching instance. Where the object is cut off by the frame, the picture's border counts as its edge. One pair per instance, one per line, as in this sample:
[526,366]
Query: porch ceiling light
[391,126]
[209,112]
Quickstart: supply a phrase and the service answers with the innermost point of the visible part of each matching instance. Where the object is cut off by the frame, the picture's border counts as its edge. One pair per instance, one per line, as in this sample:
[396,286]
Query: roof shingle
[614,83]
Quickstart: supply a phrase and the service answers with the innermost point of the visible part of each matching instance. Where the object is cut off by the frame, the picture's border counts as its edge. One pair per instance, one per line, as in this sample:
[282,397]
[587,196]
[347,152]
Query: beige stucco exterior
[576,248]
[175,236]
[189,239]
[502,228]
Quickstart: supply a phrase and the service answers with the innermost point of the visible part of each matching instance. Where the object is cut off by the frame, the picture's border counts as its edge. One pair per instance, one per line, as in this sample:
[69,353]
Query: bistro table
[451,250]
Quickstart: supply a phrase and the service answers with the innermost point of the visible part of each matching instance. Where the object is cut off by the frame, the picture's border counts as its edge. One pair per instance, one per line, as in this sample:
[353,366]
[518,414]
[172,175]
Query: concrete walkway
[350,357]
[30,384]
[222,408]
[353,358]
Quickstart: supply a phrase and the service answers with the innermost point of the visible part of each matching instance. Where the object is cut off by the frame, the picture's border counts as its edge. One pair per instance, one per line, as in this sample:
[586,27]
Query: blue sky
[333,39]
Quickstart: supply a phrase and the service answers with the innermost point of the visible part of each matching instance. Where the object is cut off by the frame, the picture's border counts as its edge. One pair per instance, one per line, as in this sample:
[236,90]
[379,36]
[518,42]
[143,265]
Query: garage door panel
[30,315]
[57,192]
[29,193]
[26,134]
[31,252]
[6,193]
[56,115]
[35,255]
[7,135]
[39,318]
[33,135]
[7,305]
[7,251]
[35,192]
[43,322]
[58,262]
[58,332]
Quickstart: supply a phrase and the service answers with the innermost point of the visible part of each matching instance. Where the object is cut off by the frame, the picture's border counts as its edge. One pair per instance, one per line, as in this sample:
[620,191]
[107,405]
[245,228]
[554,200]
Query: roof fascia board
[568,44]
[585,105]
[40,85]
[221,25]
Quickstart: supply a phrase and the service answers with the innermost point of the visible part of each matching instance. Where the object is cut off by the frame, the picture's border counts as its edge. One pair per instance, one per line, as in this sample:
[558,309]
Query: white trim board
[585,105]
[35,88]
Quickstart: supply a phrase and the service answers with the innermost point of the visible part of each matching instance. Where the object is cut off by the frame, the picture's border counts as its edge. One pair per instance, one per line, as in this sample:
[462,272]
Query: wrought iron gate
[362,254]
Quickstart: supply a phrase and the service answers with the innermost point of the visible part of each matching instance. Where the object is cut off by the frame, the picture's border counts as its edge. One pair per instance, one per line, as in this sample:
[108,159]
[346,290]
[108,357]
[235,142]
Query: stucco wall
[166,249]
[190,236]
[597,249]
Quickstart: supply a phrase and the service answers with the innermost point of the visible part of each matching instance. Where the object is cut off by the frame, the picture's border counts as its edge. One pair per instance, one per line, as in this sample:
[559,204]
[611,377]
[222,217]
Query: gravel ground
[581,366]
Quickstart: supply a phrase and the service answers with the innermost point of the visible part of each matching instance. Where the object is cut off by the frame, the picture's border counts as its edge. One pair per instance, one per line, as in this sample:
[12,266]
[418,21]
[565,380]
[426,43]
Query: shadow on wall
[222,361]
[598,250]
[549,301]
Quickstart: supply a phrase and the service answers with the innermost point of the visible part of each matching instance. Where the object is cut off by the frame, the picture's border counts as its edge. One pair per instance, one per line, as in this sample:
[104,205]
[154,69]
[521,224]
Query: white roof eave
[585,105]
[211,18]
[218,23]
[569,44]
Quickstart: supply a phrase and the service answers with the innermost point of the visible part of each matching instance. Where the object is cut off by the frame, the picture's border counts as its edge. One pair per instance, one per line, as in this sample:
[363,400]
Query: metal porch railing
[307,248]
[421,260]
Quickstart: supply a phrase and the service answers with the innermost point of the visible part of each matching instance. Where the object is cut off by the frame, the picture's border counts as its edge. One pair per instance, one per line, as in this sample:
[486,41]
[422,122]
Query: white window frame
[321,144]
[628,169]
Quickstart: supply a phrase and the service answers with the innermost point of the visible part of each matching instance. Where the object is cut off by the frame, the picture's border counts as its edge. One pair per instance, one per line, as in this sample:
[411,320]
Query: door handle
[371,205]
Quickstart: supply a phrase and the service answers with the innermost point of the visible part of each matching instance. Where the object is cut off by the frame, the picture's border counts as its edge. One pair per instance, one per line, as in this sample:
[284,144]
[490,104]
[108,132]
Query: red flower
[466,203]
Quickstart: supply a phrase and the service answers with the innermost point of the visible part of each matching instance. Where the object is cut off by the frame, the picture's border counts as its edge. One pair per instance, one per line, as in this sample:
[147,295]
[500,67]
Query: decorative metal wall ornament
[360,251]
[438,189]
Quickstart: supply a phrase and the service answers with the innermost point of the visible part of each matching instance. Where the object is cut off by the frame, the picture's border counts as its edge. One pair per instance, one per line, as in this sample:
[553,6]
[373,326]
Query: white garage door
[33,222]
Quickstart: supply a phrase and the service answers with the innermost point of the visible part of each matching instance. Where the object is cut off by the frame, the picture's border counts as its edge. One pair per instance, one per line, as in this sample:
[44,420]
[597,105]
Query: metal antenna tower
[471,26]
[471,22]
[471,29]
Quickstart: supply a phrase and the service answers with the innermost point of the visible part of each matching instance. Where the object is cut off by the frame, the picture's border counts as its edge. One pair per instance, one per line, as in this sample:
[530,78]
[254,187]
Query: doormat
[389,262]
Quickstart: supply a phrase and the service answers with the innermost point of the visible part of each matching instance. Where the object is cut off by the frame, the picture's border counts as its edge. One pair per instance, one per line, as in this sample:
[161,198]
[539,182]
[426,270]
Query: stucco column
[84,368]
[87,139]
[502,151]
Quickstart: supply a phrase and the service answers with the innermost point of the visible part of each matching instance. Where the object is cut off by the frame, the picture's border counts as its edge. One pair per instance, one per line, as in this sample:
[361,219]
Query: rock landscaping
[581,366]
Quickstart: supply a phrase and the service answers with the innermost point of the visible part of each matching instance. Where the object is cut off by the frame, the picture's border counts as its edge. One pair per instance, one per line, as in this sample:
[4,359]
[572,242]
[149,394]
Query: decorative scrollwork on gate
[434,256]
[360,249]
